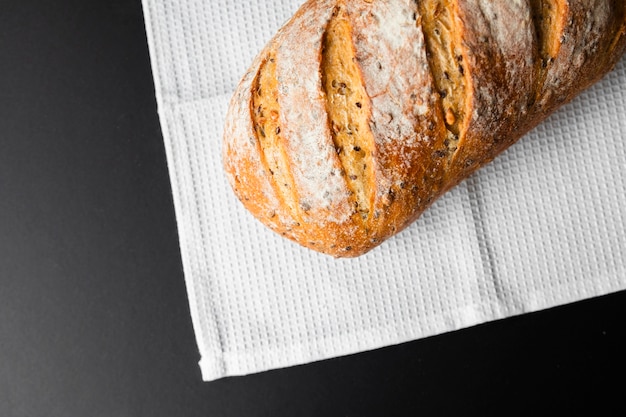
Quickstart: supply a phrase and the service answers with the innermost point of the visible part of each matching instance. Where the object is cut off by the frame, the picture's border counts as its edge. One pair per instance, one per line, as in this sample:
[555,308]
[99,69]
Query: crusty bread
[359,113]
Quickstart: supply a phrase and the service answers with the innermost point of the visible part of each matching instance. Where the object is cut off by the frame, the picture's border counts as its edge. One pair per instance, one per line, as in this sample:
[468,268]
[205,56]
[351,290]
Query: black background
[94,319]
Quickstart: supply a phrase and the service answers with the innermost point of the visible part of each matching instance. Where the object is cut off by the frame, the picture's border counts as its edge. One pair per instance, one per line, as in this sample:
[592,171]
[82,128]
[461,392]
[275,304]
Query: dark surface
[94,318]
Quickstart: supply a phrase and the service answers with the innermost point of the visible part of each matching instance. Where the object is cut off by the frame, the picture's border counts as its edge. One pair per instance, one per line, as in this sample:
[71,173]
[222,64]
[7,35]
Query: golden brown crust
[359,114]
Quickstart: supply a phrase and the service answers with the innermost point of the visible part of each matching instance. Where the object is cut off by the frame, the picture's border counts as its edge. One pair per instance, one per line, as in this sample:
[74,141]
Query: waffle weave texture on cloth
[543,225]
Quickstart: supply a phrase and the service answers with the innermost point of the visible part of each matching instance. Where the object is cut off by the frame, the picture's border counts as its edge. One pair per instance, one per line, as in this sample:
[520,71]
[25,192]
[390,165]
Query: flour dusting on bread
[359,114]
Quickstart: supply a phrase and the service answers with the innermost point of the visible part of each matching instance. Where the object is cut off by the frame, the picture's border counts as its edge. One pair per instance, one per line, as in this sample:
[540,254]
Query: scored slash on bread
[358,114]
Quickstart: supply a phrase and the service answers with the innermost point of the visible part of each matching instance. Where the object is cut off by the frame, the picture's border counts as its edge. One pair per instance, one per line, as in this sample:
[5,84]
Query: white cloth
[543,225]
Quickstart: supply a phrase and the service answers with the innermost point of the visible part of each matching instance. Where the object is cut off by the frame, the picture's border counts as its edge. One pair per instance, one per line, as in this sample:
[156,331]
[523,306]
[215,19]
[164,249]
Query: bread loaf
[358,114]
